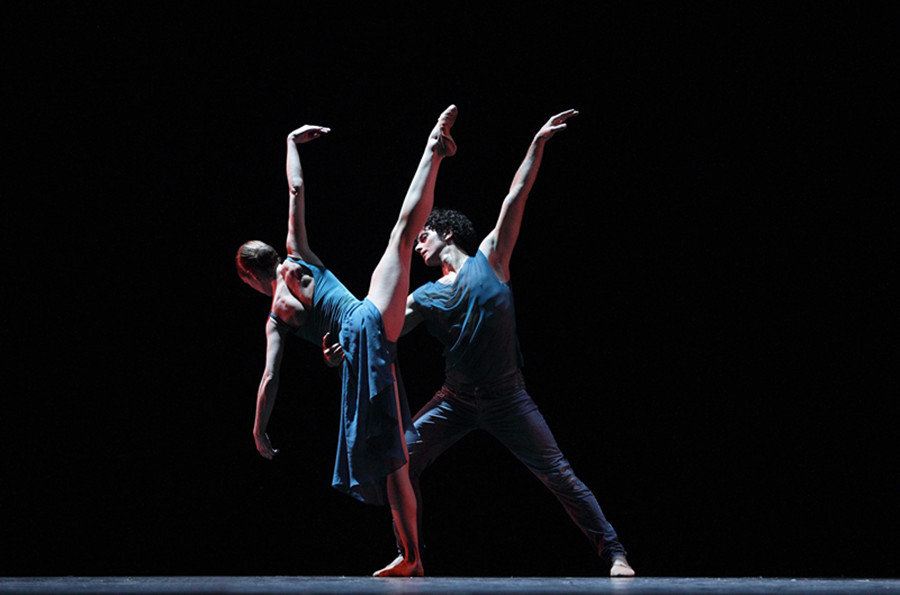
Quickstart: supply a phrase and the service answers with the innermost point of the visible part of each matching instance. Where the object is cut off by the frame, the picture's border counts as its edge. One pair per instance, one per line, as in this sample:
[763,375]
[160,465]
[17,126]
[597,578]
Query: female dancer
[309,301]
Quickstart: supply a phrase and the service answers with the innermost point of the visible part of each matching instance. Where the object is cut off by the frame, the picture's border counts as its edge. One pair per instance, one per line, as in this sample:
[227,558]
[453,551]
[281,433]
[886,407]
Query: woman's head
[461,230]
[256,262]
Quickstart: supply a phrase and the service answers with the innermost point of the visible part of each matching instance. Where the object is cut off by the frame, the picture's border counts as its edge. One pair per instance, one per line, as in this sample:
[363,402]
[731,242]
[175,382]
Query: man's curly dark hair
[444,220]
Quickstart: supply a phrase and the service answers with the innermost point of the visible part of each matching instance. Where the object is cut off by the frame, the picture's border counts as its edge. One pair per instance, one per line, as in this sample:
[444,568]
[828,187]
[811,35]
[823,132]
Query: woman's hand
[264,446]
[332,352]
[306,133]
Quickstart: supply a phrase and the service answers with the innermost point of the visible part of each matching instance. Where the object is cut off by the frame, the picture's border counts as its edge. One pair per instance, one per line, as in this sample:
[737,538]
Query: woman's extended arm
[297,241]
[499,244]
[268,389]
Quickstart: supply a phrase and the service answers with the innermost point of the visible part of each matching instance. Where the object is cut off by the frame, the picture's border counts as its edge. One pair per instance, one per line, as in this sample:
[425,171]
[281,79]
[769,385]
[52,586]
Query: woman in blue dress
[308,301]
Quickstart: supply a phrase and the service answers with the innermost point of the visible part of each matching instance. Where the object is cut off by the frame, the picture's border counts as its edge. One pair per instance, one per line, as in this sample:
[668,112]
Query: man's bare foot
[621,567]
[446,144]
[401,567]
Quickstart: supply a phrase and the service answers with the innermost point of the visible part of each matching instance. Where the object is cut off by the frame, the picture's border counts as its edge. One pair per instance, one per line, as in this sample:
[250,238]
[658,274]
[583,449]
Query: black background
[701,282]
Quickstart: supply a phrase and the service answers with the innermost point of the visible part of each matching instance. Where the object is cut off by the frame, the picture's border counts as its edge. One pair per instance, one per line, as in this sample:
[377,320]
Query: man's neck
[453,260]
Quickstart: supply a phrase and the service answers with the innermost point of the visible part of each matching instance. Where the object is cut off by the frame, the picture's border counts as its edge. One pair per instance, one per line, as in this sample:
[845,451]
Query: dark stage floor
[327,585]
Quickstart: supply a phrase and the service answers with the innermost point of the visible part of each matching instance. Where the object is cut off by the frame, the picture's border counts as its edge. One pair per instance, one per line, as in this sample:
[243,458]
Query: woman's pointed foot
[446,145]
[401,567]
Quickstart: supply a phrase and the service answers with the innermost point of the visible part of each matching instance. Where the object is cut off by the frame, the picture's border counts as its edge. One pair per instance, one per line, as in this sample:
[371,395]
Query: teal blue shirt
[474,318]
[331,301]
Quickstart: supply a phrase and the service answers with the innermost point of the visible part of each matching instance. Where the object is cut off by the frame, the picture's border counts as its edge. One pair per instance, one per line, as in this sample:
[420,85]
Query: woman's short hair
[256,257]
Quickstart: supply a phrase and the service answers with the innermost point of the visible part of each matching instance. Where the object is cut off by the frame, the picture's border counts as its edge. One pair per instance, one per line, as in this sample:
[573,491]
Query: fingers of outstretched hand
[556,123]
[307,133]
[563,116]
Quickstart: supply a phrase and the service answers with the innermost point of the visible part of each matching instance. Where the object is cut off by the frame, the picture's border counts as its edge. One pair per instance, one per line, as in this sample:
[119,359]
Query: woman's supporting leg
[403,509]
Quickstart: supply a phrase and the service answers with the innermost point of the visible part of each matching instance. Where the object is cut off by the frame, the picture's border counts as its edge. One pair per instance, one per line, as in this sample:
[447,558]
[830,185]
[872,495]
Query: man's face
[429,245]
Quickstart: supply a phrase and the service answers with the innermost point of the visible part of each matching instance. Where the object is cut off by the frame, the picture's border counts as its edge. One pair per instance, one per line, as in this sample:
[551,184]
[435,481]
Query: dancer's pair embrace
[379,447]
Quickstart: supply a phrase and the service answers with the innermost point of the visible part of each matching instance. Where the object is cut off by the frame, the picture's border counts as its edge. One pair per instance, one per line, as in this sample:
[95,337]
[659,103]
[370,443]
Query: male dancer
[470,310]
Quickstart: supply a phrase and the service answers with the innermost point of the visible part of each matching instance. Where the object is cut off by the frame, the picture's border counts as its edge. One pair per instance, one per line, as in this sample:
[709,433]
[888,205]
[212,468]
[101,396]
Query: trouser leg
[442,422]
[518,424]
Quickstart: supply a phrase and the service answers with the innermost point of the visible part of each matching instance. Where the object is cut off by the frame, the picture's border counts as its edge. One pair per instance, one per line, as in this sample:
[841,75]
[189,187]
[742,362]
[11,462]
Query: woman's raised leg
[390,280]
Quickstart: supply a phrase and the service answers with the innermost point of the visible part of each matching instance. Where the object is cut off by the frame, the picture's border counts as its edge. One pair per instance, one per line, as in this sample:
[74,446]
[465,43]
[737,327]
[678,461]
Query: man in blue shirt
[470,310]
